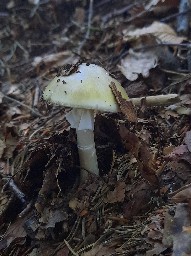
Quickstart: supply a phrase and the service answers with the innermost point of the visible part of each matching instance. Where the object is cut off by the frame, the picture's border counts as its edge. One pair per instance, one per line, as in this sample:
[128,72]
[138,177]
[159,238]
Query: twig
[179,190]
[26,209]
[137,16]
[85,248]
[36,131]
[16,191]
[74,229]
[70,248]
[174,15]
[22,104]
[158,100]
[186,45]
[183,19]
[90,15]
[83,228]
[36,95]
[116,13]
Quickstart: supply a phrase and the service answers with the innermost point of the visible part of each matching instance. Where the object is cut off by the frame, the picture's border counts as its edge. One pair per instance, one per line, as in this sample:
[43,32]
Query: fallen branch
[158,100]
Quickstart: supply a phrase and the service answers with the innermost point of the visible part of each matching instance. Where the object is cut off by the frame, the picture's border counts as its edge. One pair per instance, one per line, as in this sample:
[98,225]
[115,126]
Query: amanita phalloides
[86,90]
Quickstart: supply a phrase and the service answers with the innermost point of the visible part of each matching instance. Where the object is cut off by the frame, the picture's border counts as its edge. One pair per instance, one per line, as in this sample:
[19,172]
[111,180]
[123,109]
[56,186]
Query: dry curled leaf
[163,32]
[125,106]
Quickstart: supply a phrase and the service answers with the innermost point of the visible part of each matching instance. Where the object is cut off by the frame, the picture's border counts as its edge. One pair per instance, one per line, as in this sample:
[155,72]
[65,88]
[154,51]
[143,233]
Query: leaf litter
[140,204]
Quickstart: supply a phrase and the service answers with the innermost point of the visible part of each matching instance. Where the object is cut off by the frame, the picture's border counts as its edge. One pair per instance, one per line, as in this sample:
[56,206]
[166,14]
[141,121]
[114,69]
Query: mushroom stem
[83,121]
[87,152]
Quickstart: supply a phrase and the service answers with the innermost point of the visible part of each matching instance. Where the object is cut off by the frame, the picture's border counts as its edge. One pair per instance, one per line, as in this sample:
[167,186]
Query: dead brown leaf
[142,153]
[155,227]
[16,230]
[63,252]
[182,170]
[148,173]
[138,200]
[79,206]
[118,194]
[126,107]
[130,140]
[178,151]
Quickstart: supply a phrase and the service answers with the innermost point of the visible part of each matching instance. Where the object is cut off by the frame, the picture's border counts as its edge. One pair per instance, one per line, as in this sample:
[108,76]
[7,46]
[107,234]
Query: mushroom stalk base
[87,152]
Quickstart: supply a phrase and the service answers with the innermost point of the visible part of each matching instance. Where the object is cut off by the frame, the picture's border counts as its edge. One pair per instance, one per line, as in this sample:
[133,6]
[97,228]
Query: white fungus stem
[87,153]
[83,121]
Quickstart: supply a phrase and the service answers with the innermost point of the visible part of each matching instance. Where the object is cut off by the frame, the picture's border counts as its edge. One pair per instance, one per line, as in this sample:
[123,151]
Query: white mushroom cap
[86,88]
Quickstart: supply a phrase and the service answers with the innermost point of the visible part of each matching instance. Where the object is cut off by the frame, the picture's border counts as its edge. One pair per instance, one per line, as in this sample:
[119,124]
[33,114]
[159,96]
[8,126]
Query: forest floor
[140,203]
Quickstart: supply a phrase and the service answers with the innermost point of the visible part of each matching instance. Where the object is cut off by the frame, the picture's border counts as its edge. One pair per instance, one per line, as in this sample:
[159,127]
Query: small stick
[16,191]
[36,96]
[183,19]
[26,209]
[172,16]
[158,100]
[90,15]
[70,248]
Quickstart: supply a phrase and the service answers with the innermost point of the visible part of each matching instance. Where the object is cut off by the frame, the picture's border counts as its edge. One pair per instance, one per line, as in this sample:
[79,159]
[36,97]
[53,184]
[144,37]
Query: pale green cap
[86,88]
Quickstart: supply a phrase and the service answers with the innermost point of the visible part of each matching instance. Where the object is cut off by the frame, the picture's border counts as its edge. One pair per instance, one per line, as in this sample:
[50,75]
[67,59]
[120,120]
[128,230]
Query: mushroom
[85,90]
